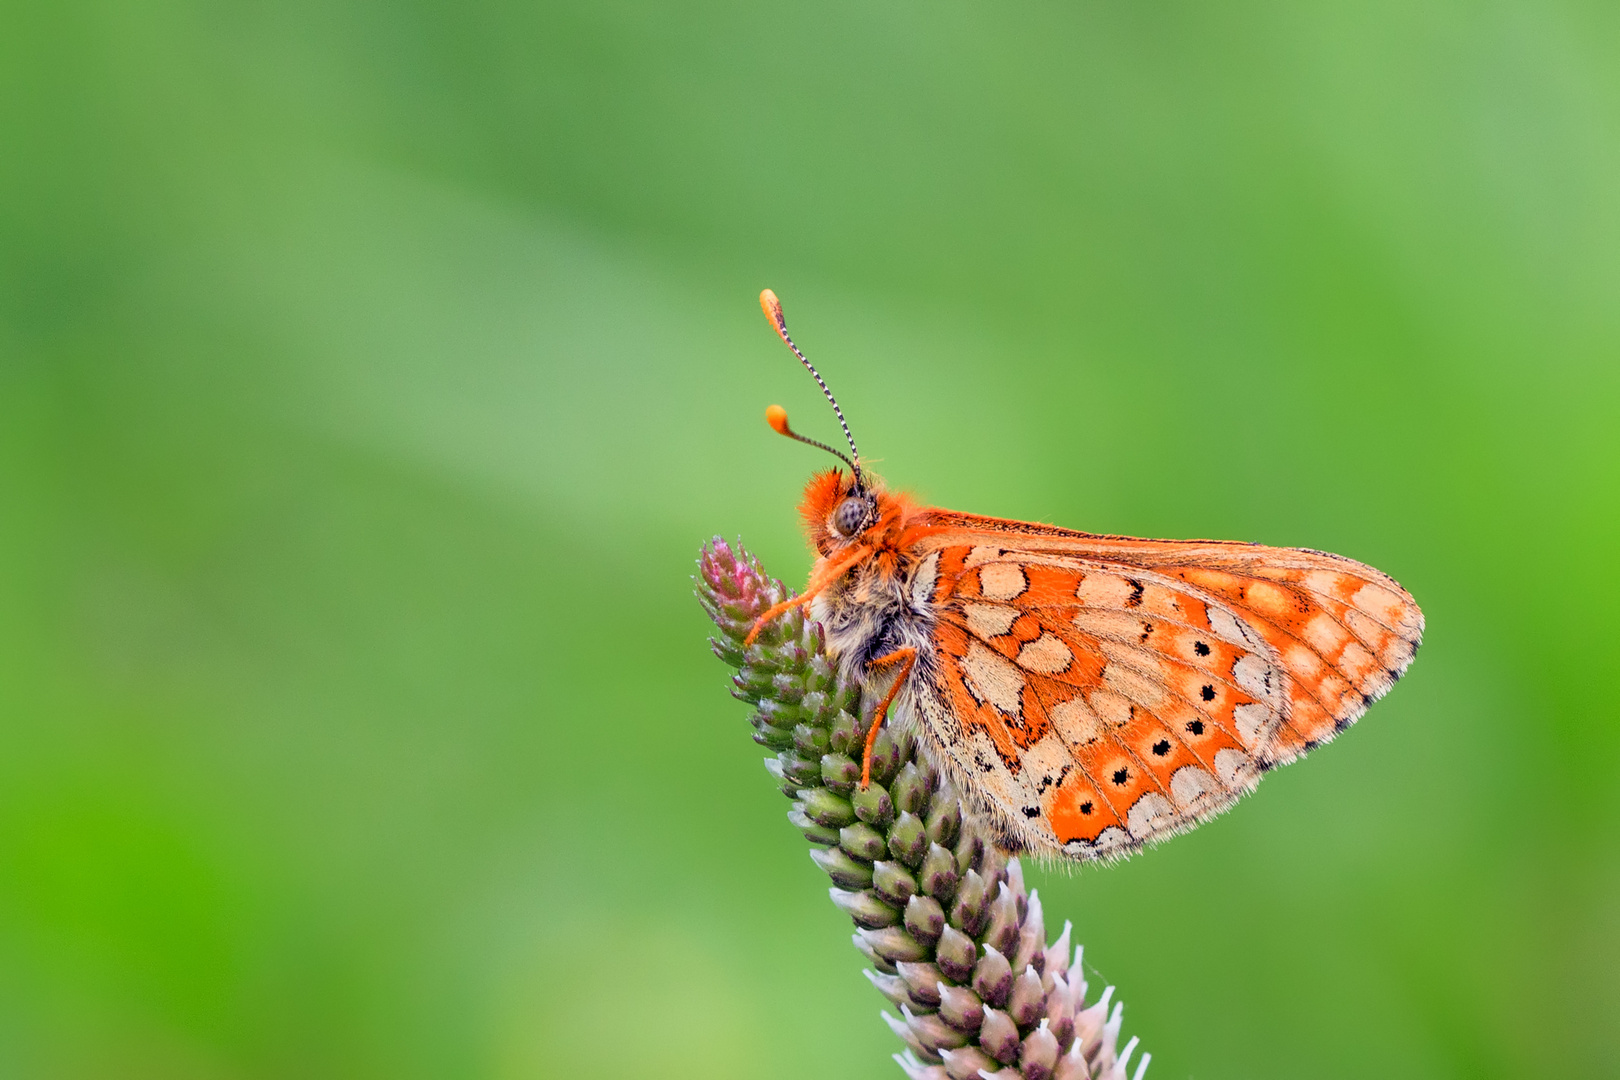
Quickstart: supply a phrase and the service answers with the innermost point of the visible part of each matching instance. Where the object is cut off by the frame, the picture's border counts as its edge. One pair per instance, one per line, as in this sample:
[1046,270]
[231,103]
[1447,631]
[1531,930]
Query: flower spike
[940,913]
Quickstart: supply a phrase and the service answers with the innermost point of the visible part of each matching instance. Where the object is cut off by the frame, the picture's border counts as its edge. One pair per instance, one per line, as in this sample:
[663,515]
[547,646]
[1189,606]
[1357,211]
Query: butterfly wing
[1099,693]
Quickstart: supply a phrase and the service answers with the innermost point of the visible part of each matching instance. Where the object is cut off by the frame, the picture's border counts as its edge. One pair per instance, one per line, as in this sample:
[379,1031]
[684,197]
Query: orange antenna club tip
[772,307]
[776,416]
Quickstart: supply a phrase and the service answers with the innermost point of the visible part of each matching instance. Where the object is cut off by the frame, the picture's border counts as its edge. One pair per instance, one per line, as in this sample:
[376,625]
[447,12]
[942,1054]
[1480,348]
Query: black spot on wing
[1049,781]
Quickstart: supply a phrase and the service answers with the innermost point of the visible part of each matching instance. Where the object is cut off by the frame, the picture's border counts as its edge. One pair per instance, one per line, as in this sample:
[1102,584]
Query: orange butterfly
[1089,695]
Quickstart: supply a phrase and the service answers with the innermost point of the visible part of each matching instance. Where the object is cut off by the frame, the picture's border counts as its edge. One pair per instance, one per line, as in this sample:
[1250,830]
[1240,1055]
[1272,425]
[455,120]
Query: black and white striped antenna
[776,416]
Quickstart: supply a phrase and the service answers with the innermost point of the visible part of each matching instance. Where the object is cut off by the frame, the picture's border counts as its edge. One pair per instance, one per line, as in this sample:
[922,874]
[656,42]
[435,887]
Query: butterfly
[1087,695]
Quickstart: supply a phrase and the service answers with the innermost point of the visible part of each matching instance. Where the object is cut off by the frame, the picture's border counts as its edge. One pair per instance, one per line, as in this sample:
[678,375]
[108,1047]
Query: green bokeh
[370,373]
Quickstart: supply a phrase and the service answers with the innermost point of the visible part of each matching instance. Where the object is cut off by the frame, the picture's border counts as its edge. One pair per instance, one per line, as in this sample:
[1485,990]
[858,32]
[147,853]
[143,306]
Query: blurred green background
[371,372]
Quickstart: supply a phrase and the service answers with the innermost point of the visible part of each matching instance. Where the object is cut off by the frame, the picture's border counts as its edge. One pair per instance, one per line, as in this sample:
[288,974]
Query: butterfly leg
[820,581]
[905,657]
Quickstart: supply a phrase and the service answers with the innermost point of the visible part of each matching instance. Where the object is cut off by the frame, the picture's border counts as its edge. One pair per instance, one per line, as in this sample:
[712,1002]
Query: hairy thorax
[879,606]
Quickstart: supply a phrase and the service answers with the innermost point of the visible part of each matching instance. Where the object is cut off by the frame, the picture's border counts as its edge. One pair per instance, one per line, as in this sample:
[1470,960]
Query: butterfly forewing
[1110,691]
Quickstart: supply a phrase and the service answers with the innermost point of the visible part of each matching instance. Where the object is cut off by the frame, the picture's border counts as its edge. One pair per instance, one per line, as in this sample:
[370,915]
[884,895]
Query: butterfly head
[837,514]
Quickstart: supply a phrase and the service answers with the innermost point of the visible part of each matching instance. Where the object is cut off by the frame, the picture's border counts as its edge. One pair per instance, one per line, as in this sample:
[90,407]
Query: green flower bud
[933,1032]
[944,820]
[873,804]
[816,834]
[811,742]
[892,987]
[1015,878]
[925,919]
[814,706]
[785,687]
[960,1007]
[822,674]
[992,977]
[893,882]
[862,841]
[786,785]
[865,908]
[908,840]
[780,716]
[968,850]
[840,772]
[1031,947]
[844,871]
[847,735]
[825,808]
[1003,929]
[910,790]
[767,735]
[995,865]
[894,944]
[1038,1056]
[724,650]
[883,966]
[1027,1001]
[802,771]
[971,908]
[922,979]
[956,954]
[998,1036]
[755,682]
[937,874]
[885,757]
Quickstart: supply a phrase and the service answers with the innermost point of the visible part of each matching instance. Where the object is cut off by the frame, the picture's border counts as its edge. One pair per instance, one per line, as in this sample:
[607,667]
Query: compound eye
[849,516]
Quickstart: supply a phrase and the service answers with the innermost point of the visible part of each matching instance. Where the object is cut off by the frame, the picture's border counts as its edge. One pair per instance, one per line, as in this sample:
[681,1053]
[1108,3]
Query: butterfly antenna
[776,416]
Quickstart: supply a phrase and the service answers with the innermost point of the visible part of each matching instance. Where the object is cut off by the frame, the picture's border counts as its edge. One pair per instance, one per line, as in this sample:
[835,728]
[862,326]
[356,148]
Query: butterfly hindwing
[1110,692]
